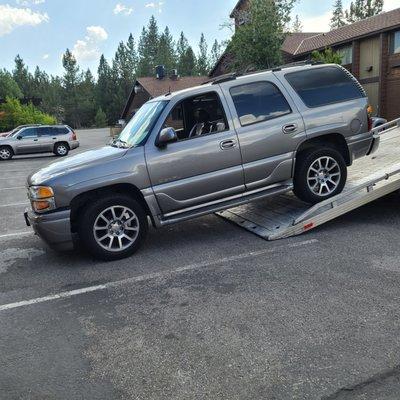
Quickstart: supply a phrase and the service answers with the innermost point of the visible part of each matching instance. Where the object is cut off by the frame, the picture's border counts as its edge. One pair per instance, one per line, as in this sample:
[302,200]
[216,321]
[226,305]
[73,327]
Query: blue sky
[41,30]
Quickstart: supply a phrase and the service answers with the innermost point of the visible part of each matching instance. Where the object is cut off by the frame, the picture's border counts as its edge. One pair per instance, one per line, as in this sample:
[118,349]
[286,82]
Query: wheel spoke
[104,237]
[113,213]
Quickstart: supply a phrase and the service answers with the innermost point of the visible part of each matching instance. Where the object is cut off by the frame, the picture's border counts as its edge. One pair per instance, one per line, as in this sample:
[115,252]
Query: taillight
[73,135]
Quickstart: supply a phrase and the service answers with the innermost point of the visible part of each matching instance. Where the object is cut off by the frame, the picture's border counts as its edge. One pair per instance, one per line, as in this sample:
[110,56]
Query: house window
[347,55]
[395,42]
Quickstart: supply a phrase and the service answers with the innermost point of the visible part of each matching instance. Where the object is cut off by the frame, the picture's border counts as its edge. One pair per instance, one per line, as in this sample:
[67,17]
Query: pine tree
[203,65]
[186,57]
[104,95]
[71,81]
[297,26]
[337,20]
[86,97]
[166,52]
[100,119]
[216,52]
[148,49]
[362,9]
[132,58]
[8,86]
[22,77]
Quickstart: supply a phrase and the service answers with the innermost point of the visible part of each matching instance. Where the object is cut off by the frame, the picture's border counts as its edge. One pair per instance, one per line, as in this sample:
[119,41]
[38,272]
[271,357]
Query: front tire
[320,174]
[61,149]
[113,227]
[6,153]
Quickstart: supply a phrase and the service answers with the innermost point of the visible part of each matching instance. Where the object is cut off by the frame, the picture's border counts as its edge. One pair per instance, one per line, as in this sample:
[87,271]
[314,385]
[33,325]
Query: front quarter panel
[129,169]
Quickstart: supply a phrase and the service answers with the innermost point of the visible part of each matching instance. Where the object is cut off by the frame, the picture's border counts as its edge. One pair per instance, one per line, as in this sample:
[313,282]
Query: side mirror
[167,135]
[19,137]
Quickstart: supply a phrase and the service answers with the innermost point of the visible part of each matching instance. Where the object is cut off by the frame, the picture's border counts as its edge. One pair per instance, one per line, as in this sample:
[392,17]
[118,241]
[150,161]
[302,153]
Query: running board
[223,205]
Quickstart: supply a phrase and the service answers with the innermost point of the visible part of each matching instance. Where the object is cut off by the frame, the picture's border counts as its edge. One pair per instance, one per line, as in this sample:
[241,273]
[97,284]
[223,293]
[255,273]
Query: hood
[75,163]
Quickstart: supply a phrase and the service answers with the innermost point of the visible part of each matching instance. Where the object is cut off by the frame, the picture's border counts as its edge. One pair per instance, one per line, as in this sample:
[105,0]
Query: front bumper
[53,228]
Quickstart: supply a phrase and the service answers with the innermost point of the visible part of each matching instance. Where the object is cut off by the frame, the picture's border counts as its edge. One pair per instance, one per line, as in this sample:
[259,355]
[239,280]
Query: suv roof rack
[233,75]
[222,78]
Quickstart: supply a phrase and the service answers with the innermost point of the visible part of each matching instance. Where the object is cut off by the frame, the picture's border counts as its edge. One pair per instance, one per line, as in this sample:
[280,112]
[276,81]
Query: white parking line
[16,234]
[155,275]
[14,204]
[12,188]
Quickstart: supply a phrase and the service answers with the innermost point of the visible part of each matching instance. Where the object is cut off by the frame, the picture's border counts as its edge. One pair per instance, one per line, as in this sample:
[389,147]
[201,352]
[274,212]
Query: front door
[28,141]
[205,164]
[269,127]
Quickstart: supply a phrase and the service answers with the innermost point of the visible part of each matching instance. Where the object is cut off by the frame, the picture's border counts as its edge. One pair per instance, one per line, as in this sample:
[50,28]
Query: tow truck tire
[6,153]
[113,227]
[321,173]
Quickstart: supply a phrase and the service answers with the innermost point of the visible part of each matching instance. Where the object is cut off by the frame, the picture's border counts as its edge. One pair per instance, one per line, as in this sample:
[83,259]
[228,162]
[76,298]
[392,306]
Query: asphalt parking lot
[205,310]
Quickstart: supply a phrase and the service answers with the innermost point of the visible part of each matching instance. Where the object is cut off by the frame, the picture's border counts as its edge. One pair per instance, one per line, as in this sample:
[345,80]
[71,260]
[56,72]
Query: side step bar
[214,207]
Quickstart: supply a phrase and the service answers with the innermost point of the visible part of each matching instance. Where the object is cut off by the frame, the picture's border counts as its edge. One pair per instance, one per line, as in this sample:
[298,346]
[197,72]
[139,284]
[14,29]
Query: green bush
[100,119]
[13,113]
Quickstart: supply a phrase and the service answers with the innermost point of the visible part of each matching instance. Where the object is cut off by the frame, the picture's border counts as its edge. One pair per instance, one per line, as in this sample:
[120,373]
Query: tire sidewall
[301,187]
[56,149]
[89,216]
[11,154]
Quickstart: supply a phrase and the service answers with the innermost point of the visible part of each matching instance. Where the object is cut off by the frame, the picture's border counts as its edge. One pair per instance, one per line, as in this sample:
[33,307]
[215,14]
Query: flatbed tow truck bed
[369,179]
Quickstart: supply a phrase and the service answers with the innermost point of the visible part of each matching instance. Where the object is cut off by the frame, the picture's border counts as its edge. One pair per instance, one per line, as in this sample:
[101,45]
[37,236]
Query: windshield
[141,124]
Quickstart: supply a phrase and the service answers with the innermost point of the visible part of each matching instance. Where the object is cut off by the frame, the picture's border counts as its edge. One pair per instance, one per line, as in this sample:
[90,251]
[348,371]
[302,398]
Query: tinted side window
[61,130]
[323,86]
[259,101]
[29,132]
[44,131]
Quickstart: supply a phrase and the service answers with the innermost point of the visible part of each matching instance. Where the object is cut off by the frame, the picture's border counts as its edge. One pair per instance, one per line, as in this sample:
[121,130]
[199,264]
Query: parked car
[205,149]
[58,139]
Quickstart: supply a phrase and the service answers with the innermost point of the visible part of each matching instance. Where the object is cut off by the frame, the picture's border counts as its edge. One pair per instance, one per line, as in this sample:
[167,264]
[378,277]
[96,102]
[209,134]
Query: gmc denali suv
[186,154]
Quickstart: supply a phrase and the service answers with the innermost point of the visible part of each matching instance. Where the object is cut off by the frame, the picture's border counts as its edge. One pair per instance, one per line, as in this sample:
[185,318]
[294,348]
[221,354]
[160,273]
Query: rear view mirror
[167,135]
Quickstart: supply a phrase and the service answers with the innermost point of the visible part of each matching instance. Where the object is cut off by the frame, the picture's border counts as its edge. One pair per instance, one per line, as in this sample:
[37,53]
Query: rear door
[269,128]
[47,138]
[28,141]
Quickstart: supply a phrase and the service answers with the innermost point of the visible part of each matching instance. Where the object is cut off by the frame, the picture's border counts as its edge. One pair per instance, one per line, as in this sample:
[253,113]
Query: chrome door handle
[227,144]
[291,128]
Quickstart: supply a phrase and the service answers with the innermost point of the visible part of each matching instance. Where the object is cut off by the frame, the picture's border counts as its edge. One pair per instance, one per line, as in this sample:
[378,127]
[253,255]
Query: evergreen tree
[166,52]
[328,56]
[148,49]
[186,57]
[337,20]
[258,43]
[22,76]
[71,80]
[132,58]
[86,98]
[104,88]
[203,65]
[297,26]
[124,72]
[216,53]
[362,9]
[100,120]
[8,86]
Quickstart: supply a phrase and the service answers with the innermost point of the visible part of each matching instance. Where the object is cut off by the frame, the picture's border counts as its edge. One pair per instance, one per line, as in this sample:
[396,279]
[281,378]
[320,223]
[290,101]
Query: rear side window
[62,130]
[258,102]
[323,86]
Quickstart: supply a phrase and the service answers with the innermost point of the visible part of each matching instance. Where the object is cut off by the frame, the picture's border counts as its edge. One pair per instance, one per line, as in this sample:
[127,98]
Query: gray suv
[30,139]
[183,155]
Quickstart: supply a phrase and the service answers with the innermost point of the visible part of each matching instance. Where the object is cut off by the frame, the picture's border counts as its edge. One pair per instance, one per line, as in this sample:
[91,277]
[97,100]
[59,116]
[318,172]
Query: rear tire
[321,173]
[6,153]
[61,149]
[113,227]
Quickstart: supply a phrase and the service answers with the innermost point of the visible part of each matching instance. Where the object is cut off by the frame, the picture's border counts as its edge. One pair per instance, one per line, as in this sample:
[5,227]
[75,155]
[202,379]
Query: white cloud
[88,49]
[12,18]
[123,9]
[156,5]
[45,56]
[391,5]
[26,3]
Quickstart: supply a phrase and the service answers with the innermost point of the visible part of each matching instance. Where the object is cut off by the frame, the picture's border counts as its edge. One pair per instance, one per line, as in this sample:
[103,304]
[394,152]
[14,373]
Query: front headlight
[42,198]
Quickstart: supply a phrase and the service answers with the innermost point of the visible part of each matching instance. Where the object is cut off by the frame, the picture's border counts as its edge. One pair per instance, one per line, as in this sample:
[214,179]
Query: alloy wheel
[324,176]
[116,228]
[5,154]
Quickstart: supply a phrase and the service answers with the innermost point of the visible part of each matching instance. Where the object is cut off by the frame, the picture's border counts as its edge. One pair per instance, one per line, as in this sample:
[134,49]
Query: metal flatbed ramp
[369,179]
